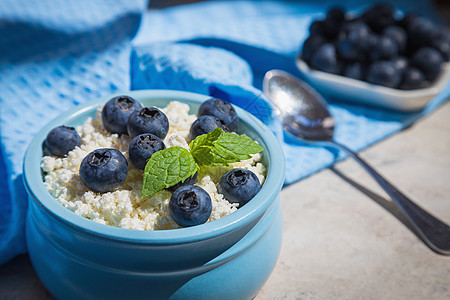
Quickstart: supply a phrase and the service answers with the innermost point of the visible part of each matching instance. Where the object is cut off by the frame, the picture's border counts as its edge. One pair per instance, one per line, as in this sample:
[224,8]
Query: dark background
[443,6]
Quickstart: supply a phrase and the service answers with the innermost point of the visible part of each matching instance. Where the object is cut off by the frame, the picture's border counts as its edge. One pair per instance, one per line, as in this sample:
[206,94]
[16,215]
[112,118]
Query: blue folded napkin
[56,54]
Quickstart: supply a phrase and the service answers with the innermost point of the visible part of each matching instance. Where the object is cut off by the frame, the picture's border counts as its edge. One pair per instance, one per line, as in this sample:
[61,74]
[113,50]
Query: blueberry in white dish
[222,110]
[205,124]
[189,181]
[148,120]
[116,112]
[384,72]
[385,48]
[104,170]
[325,59]
[354,70]
[380,33]
[429,61]
[311,45]
[421,31]
[379,16]
[407,19]
[317,28]
[401,63]
[412,79]
[398,35]
[442,46]
[441,42]
[335,17]
[62,139]
[190,205]
[142,147]
[355,39]
[239,186]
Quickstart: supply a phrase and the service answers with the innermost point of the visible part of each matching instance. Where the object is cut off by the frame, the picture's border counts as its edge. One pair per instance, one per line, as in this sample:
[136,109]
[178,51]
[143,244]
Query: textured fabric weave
[54,54]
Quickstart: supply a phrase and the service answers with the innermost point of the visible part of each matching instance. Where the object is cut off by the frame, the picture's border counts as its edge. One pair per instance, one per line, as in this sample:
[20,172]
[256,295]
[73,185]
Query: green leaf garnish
[165,168]
[219,148]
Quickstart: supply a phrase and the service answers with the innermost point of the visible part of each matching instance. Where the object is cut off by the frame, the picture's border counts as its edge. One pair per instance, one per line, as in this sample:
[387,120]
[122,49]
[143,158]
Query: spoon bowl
[305,117]
[303,111]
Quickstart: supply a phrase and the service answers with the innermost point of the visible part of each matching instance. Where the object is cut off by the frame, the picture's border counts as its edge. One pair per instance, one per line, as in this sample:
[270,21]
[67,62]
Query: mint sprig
[219,148]
[167,167]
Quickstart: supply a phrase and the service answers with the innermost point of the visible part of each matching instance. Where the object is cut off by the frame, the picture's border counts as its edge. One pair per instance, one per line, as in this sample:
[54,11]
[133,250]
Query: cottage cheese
[124,207]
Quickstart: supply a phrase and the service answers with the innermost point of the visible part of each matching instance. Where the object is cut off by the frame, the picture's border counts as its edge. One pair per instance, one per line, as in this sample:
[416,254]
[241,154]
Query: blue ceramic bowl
[229,258]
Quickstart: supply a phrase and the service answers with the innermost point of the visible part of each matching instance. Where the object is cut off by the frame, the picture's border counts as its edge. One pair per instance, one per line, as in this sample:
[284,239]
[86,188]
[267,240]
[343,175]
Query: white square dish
[361,92]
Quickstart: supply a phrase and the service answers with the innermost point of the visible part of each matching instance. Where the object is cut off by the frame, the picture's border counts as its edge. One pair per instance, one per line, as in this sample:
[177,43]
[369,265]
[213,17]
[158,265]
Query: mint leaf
[218,148]
[166,168]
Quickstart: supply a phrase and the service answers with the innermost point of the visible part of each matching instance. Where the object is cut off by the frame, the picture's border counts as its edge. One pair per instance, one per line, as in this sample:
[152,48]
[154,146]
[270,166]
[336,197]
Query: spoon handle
[434,232]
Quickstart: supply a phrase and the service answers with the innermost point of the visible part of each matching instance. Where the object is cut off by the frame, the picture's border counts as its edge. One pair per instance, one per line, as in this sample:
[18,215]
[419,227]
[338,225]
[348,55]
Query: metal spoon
[305,116]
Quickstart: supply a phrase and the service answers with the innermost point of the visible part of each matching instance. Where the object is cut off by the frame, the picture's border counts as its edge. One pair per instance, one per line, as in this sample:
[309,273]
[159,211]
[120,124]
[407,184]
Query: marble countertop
[342,237]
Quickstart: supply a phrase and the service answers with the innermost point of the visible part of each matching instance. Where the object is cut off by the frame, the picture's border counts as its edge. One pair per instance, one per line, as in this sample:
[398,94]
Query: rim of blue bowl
[244,215]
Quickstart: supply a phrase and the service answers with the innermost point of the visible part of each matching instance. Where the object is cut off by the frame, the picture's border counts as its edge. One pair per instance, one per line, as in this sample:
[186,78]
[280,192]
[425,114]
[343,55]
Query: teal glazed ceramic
[230,258]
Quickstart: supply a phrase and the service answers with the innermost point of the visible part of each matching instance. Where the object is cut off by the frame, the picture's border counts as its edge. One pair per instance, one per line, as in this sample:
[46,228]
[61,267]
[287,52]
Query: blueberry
[379,16]
[443,33]
[190,205]
[400,63]
[384,73]
[421,31]
[429,61]
[385,48]
[142,147]
[311,45]
[354,41]
[222,110]
[442,43]
[116,112]
[103,170]
[413,78]
[61,140]
[407,19]
[443,47]
[239,186]
[355,71]
[325,59]
[189,181]
[205,124]
[336,15]
[398,35]
[148,120]
[335,18]
[316,28]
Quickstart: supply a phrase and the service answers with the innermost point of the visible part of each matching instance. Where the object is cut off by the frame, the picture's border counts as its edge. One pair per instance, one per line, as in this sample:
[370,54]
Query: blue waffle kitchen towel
[56,54]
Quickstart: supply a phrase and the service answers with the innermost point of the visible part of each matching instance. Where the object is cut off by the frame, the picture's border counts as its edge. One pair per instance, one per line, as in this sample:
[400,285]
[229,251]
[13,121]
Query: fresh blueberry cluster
[104,170]
[211,114]
[378,46]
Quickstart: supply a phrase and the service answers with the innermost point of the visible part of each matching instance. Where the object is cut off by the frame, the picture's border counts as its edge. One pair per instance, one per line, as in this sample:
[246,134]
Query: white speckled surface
[341,244]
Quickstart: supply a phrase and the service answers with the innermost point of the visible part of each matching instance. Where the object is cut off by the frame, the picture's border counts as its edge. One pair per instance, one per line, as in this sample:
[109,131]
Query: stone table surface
[342,239]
